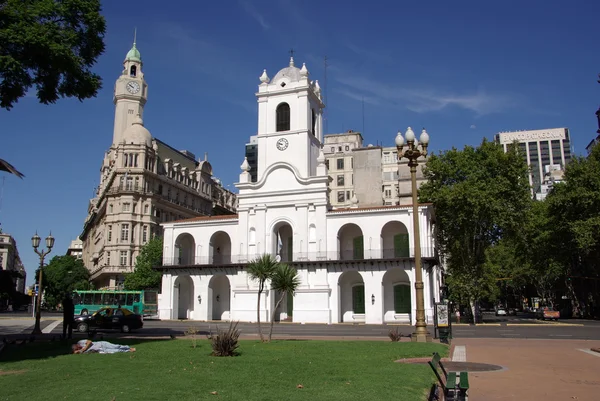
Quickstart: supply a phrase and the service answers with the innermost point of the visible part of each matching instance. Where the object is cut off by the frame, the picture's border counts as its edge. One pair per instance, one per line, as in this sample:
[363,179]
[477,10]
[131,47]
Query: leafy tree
[261,269]
[63,275]
[284,280]
[480,196]
[574,215]
[52,45]
[145,276]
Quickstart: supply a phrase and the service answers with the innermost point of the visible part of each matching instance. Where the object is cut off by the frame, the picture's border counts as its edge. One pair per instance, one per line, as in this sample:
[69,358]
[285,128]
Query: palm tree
[261,269]
[285,279]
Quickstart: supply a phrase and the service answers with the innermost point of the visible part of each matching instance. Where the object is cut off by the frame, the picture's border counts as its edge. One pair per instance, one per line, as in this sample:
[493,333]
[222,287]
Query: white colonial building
[356,264]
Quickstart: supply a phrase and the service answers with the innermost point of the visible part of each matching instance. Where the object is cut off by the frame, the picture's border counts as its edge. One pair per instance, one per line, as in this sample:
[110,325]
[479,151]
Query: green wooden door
[402,299]
[358,299]
[358,248]
[401,249]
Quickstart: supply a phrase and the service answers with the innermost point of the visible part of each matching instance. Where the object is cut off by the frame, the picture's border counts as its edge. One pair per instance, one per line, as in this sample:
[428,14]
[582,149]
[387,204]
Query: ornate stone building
[143,182]
[10,260]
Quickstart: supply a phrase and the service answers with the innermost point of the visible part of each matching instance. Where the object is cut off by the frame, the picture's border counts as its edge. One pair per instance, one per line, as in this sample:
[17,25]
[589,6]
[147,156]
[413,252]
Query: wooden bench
[451,387]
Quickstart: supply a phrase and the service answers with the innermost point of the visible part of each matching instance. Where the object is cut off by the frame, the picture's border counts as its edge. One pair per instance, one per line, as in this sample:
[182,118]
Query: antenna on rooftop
[326,113]
[363,115]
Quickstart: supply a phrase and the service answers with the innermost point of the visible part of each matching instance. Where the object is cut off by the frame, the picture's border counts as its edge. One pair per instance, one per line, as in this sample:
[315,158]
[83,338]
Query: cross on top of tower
[292,57]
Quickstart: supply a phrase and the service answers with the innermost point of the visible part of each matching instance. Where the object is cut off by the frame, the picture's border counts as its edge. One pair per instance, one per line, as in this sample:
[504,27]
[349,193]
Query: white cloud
[422,100]
[249,8]
[473,126]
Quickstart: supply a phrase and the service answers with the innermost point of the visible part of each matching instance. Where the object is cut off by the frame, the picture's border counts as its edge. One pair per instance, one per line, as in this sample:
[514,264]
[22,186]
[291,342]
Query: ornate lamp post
[35,242]
[413,151]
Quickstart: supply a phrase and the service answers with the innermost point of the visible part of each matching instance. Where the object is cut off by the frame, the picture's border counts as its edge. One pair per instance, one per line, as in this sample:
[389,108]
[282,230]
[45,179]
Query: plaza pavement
[534,369]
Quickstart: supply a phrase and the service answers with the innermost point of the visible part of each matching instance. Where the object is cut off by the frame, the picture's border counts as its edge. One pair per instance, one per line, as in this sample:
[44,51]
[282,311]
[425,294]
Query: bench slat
[464,381]
[451,380]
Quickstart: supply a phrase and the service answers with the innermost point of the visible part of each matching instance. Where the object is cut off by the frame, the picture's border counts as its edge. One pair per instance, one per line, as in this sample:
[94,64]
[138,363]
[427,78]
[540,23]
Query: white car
[501,312]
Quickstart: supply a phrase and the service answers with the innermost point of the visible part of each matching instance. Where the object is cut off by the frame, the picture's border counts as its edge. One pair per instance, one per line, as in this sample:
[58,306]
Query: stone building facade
[371,173]
[143,182]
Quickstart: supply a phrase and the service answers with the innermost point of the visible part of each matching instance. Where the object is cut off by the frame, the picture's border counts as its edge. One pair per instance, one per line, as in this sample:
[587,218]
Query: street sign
[36,289]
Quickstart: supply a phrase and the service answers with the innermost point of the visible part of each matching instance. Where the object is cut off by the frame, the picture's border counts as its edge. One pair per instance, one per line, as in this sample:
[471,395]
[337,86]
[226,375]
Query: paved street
[505,327]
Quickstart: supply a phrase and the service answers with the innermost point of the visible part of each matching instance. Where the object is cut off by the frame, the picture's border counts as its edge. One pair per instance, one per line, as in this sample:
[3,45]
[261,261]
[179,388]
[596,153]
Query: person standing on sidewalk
[457,313]
[68,316]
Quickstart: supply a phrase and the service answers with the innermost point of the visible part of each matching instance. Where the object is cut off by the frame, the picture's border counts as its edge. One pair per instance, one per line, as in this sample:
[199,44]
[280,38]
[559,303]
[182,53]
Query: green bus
[144,302]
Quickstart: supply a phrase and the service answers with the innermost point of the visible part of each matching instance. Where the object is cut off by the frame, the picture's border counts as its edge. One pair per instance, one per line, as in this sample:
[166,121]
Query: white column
[373,306]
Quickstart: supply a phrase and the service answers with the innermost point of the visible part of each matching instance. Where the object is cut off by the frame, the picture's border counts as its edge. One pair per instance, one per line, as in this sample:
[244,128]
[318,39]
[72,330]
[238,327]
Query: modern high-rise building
[540,148]
[252,156]
[143,182]
[10,260]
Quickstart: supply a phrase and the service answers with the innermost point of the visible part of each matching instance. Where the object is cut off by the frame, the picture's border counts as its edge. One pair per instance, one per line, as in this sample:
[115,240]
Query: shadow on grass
[24,347]
[48,350]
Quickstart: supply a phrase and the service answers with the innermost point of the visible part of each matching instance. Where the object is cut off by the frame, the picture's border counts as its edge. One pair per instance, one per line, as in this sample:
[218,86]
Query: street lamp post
[35,242]
[413,151]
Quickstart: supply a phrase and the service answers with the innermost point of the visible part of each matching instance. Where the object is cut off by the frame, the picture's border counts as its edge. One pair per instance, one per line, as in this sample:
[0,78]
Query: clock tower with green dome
[130,95]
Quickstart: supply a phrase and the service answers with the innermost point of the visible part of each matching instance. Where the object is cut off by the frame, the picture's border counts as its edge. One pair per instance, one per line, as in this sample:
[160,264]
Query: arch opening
[185,247]
[219,289]
[283,117]
[397,296]
[395,240]
[350,242]
[183,297]
[351,297]
[283,241]
[220,248]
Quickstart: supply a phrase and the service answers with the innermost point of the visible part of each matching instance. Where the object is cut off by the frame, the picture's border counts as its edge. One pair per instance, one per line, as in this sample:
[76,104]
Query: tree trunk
[472,304]
[283,294]
[260,289]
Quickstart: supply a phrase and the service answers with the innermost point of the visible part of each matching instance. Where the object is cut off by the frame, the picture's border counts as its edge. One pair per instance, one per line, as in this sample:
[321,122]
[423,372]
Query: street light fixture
[35,242]
[413,151]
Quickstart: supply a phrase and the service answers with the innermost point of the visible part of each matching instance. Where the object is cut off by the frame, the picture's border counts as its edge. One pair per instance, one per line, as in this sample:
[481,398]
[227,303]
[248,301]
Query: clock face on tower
[133,87]
[282,144]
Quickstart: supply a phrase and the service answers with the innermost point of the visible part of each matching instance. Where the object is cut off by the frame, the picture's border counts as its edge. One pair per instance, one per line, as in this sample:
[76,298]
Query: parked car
[109,318]
[501,312]
[547,313]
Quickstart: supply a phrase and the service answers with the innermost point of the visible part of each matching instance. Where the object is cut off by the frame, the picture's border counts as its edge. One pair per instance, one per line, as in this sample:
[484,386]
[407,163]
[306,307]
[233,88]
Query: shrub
[225,342]
[394,335]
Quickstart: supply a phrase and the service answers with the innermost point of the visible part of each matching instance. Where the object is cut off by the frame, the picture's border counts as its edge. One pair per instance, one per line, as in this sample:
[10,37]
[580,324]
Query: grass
[173,370]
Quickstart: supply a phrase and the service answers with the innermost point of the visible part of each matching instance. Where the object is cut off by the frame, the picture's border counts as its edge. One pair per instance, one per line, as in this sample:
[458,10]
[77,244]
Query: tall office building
[252,156]
[540,148]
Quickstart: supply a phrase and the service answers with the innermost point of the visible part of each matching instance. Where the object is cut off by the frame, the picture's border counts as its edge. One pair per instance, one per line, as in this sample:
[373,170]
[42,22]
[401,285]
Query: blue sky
[464,70]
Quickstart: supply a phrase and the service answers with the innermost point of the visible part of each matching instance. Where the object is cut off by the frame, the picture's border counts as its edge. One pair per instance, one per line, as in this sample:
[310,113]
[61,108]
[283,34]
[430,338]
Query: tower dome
[292,73]
[137,133]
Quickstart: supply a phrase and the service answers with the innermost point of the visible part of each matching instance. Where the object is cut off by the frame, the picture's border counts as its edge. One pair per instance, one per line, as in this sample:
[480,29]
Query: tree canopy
[481,195]
[63,275]
[145,276]
[50,45]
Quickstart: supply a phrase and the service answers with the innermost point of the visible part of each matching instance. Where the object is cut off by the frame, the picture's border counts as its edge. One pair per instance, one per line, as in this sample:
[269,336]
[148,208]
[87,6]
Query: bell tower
[130,93]
[290,122]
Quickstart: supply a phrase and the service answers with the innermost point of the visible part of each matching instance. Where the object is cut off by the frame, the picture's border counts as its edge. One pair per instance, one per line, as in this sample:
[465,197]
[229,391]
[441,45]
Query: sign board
[443,317]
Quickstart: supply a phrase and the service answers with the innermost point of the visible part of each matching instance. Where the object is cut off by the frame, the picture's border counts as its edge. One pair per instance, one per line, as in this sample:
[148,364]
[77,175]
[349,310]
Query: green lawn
[173,370]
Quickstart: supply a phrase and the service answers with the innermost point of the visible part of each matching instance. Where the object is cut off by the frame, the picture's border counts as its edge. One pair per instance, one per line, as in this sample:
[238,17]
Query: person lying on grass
[100,347]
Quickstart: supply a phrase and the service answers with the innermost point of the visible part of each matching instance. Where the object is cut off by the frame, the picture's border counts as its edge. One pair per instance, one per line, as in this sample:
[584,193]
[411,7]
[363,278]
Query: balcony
[345,255]
[123,189]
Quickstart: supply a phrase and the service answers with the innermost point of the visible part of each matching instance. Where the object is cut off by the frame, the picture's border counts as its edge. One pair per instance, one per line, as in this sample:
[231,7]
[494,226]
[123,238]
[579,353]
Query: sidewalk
[534,370]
